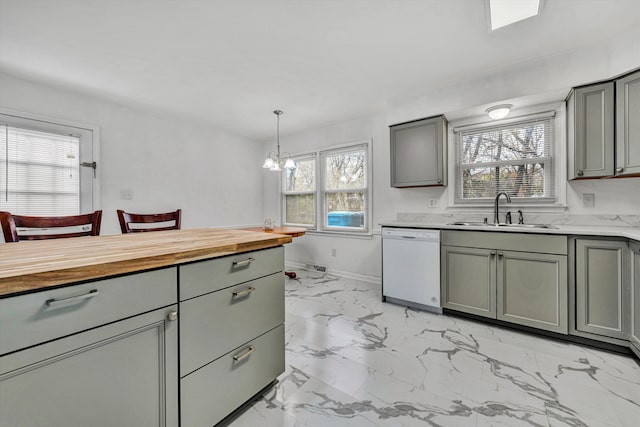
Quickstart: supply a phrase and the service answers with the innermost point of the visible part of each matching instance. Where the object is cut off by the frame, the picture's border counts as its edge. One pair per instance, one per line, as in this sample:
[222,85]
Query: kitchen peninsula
[89,327]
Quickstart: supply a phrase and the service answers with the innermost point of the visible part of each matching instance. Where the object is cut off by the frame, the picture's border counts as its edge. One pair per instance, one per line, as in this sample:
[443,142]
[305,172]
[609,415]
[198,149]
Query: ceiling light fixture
[499,111]
[273,162]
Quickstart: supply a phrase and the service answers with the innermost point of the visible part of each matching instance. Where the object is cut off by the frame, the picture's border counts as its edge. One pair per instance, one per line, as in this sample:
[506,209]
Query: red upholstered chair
[49,227]
[150,222]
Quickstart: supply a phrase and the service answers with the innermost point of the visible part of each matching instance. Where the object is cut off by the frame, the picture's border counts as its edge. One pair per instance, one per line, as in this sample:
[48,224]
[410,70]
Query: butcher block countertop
[32,265]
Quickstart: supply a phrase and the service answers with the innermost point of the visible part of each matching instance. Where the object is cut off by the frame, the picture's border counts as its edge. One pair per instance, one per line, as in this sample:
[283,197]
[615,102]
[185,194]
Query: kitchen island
[89,327]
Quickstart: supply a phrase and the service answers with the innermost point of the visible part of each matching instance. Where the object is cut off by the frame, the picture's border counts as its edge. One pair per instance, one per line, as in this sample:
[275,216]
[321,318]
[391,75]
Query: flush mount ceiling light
[273,162]
[499,111]
[506,12]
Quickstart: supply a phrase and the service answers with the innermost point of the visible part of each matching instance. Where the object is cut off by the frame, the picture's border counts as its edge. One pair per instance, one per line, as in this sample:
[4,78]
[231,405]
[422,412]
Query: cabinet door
[532,290]
[469,280]
[594,131]
[122,374]
[418,153]
[634,335]
[601,298]
[628,125]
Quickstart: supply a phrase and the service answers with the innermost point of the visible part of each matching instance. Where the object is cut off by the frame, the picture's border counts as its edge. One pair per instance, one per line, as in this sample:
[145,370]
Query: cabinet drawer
[34,318]
[211,393]
[525,242]
[213,324]
[208,276]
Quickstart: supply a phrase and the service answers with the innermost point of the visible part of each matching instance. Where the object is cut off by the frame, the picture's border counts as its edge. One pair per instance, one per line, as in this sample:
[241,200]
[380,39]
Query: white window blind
[39,172]
[516,158]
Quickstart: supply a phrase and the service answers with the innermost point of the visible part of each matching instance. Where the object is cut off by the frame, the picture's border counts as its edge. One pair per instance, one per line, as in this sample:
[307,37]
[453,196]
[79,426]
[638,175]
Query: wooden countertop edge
[12,286]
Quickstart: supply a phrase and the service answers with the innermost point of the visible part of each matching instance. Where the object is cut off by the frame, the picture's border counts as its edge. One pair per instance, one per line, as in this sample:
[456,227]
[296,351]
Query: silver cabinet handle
[493,253]
[244,292]
[579,172]
[439,181]
[172,315]
[408,237]
[54,302]
[500,254]
[243,262]
[240,356]
[619,170]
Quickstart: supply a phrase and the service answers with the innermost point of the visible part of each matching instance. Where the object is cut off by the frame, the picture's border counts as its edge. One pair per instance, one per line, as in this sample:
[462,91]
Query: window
[300,193]
[516,158]
[40,168]
[334,195]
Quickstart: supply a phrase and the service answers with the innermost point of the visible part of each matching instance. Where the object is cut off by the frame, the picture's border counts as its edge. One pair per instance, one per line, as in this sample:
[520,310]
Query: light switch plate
[434,203]
[588,200]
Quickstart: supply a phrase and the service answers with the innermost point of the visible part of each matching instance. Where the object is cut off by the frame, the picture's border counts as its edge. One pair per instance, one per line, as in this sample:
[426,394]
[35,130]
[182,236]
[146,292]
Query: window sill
[365,235]
[527,207]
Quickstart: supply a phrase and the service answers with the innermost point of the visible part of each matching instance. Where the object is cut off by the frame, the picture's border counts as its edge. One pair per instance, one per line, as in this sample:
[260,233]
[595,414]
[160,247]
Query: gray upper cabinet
[628,125]
[634,333]
[419,153]
[590,131]
[602,290]
[603,129]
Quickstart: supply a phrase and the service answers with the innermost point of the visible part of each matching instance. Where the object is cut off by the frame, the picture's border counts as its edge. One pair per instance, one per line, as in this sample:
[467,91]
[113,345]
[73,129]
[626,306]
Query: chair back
[133,223]
[49,227]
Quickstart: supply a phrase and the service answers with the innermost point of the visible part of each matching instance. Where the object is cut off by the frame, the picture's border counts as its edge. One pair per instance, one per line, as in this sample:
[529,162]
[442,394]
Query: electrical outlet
[126,194]
[333,252]
[434,203]
[588,200]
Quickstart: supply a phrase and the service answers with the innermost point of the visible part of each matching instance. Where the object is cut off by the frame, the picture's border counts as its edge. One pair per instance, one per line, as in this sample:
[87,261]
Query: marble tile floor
[352,360]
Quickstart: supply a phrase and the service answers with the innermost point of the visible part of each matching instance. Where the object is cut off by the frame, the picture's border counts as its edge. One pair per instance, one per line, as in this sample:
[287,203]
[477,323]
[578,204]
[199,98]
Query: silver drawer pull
[244,292]
[238,357]
[53,302]
[243,262]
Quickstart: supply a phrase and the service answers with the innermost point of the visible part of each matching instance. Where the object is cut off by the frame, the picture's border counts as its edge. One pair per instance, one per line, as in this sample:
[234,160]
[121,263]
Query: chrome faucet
[496,219]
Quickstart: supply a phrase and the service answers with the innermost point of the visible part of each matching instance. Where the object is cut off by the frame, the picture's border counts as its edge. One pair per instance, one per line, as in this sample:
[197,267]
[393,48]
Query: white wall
[362,257]
[167,162]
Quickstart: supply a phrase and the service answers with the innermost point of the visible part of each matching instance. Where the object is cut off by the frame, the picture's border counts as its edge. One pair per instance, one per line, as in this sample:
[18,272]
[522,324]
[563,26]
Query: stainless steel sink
[482,224]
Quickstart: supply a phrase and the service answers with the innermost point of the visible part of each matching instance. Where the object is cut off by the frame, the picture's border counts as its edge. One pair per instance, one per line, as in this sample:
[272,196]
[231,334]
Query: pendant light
[274,162]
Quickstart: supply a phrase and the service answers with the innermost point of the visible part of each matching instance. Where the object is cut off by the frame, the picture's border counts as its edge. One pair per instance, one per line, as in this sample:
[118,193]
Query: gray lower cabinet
[634,333]
[469,280]
[121,374]
[602,287]
[512,279]
[231,332]
[628,125]
[532,290]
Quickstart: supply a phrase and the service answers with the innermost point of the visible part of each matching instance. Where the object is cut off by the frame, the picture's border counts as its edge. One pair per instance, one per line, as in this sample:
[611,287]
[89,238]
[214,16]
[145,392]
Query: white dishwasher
[411,267]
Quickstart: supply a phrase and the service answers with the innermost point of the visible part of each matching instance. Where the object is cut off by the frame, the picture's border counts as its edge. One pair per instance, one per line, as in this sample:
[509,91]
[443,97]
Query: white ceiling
[231,62]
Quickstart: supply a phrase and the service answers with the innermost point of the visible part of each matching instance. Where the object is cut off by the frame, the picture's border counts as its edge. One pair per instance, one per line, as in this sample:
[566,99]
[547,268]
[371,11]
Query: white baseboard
[346,274]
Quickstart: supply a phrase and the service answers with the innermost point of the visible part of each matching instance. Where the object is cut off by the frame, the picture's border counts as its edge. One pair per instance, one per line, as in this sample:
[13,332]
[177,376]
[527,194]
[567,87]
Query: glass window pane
[346,170]
[346,209]
[525,141]
[302,177]
[300,209]
[517,180]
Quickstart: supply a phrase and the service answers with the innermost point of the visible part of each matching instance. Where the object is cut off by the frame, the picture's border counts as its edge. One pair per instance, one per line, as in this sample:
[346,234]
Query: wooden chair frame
[126,219]
[10,224]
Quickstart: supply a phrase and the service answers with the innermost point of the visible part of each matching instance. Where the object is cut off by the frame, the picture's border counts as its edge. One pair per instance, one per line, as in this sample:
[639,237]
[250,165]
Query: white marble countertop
[578,230]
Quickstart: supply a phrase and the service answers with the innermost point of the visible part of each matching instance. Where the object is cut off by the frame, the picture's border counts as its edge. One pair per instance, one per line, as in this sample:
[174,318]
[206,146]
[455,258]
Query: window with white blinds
[39,172]
[516,158]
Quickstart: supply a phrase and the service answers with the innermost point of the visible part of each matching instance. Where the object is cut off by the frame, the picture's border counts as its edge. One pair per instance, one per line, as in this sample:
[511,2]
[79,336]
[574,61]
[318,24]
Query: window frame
[320,205]
[314,192]
[556,175]
[89,135]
